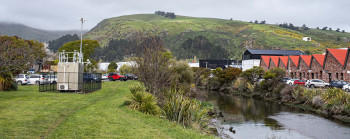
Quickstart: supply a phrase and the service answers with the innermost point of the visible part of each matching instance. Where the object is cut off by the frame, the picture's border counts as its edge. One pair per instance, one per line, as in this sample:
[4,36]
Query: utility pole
[206,64]
[81,41]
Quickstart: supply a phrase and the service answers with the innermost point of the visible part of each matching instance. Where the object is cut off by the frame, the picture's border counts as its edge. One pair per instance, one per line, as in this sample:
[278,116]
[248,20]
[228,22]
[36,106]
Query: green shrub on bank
[185,111]
[143,101]
[336,101]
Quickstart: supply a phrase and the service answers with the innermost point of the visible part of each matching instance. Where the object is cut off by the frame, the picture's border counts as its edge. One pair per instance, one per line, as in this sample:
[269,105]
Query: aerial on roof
[307,59]
[339,54]
[275,52]
[319,58]
[295,60]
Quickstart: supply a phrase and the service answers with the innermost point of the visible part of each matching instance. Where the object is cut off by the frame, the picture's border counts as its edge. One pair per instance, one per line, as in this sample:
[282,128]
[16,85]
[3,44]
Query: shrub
[213,83]
[137,88]
[143,101]
[336,100]
[181,75]
[277,90]
[251,75]
[185,111]
[298,94]
[286,93]
[310,95]
[240,84]
[6,82]
[317,101]
[125,69]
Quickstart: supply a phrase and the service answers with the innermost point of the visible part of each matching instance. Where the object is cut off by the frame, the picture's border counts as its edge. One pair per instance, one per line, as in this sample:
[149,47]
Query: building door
[312,75]
[341,76]
[329,77]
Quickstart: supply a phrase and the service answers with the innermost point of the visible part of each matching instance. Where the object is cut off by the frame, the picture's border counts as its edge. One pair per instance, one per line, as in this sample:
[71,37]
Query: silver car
[51,78]
[22,79]
[316,83]
[37,79]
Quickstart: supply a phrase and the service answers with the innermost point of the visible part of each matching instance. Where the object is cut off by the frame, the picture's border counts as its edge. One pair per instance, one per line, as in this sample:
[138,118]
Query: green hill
[30,33]
[187,37]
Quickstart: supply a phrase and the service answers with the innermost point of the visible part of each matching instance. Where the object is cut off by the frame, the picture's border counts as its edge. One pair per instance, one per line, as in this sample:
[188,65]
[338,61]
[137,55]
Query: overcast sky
[64,14]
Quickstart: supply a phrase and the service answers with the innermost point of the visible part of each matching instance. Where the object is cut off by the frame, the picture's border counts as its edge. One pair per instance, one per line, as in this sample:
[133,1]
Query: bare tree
[152,63]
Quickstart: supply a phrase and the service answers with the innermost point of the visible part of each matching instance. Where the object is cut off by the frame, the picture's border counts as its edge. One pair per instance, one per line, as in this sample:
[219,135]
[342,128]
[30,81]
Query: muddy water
[251,118]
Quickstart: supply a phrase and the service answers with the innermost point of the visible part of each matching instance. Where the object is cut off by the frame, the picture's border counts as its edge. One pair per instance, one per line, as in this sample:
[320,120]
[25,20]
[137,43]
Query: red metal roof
[307,59]
[284,59]
[275,60]
[339,54]
[319,58]
[295,60]
[266,59]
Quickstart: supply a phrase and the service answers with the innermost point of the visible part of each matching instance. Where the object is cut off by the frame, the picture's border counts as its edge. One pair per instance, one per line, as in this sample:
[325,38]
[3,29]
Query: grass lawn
[27,113]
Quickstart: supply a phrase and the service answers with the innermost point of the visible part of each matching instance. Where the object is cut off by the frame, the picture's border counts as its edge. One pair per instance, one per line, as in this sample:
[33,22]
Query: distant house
[306,39]
[251,57]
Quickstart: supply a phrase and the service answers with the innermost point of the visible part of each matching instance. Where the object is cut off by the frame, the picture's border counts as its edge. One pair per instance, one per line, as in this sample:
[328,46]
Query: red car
[300,82]
[115,76]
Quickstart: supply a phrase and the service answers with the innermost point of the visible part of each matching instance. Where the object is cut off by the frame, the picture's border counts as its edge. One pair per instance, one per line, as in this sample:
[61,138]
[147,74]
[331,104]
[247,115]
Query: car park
[291,81]
[22,79]
[130,76]
[37,79]
[104,76]
[51,78]
[338,83]
[316,83]
[115,76]
[285,79]
[31,71]
[346,87]
[300,82]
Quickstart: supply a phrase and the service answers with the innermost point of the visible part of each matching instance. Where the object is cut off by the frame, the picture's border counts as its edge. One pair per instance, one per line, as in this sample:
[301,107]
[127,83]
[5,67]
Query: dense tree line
[257,22]
[330,29]
[201,47]
[55,44]
[116,50]
[288,26]
[166,14]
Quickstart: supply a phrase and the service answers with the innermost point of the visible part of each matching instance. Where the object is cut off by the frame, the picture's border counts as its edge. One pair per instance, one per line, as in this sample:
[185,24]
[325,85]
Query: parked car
[31,71]
[291,81]
[91,77]
[37,79]
[316,83]
[300,82]
[337,83]
[104,76]
[51,78]
[346,87]
[22,79]
[285,79]
[115,76]
[130,76]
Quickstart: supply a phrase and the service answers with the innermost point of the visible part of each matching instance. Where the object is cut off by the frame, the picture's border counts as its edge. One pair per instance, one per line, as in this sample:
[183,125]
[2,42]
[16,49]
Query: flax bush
[143,101]
[185,111]
[336,101]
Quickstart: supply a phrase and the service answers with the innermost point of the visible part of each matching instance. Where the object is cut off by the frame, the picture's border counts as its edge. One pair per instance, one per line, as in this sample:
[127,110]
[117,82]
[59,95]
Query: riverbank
[27,113]
[303,106]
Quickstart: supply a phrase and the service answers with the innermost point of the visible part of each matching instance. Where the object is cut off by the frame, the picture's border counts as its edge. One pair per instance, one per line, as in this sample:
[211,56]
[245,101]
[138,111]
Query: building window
[316,75]
[312,75]
[341,76]
[336,75]
[329,77]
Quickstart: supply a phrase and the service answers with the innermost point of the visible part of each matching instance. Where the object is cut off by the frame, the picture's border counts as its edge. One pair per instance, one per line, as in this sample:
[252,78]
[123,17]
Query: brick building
[264,62]
[274,62]
[316,66]
[334,64]
[283,62]
[347,66]
[304,64]
[293,66]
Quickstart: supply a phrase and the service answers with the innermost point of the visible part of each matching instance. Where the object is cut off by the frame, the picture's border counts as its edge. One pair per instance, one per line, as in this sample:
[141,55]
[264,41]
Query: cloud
[64,14]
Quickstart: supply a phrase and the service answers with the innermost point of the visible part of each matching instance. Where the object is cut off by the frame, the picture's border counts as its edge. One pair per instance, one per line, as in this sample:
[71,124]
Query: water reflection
[270,120]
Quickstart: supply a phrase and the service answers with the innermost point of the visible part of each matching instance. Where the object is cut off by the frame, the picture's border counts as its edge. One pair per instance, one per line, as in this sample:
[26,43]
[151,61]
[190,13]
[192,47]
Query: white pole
[81,41]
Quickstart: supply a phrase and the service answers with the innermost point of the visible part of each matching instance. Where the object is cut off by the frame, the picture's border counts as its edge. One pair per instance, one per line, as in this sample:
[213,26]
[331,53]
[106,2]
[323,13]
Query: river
[259,119]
